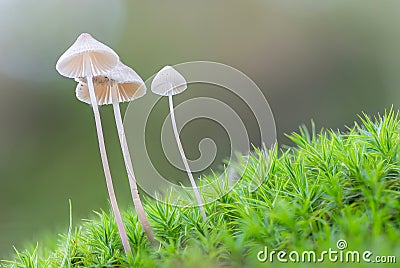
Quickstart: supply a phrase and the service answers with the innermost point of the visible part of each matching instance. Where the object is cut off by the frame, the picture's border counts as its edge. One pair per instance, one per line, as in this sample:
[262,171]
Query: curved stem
[184,159]
[129,169]
[106,168]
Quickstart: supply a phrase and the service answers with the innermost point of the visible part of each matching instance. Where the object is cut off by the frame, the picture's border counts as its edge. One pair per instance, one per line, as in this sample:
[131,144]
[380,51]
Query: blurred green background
[320,60]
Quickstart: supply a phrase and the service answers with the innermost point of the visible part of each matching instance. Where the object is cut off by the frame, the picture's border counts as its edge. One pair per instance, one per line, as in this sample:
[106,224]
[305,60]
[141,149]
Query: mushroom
[121,84]
[169,82]
[86,58]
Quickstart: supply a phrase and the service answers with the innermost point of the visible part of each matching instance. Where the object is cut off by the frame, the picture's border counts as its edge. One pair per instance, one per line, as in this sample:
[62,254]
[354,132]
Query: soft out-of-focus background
[320,60]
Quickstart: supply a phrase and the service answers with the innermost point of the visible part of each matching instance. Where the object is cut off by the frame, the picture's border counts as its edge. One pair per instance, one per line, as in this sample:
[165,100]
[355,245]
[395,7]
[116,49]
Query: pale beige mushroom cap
[72,63]
[129,86]
[168,81]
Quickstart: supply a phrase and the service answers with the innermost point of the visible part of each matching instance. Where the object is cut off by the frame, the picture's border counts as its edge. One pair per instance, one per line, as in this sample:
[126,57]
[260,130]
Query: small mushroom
[169,82]
[121,84]
[86,58]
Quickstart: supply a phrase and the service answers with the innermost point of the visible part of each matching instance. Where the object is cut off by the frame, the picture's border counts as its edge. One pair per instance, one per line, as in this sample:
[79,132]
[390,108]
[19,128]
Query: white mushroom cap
[128,83]
[72,63]
[168,81]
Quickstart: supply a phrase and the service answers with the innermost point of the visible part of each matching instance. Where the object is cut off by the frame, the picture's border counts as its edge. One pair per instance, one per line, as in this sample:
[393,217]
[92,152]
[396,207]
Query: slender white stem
[106,168]
[68,246]
[129,169]
[184,159]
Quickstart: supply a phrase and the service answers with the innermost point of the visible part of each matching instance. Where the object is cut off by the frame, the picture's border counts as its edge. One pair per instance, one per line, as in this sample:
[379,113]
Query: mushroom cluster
[103,79]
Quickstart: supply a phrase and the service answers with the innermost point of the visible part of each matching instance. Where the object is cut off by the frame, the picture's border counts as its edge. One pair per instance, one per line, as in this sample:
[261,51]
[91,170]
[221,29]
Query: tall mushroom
[169,82]
[121,84]
[87,58]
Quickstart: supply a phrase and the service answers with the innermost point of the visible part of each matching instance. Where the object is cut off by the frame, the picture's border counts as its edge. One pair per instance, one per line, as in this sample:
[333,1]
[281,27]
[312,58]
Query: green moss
[331,186]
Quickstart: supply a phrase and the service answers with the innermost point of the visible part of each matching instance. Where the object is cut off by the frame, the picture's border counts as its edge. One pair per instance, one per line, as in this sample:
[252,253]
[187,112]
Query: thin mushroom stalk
[169,82]
[184,159]
[106,168]
[129,168]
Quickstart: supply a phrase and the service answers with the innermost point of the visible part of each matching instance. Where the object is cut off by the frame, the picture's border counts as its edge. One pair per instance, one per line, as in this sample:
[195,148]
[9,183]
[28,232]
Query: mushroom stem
[184,159]
[129,169]
[106,168]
